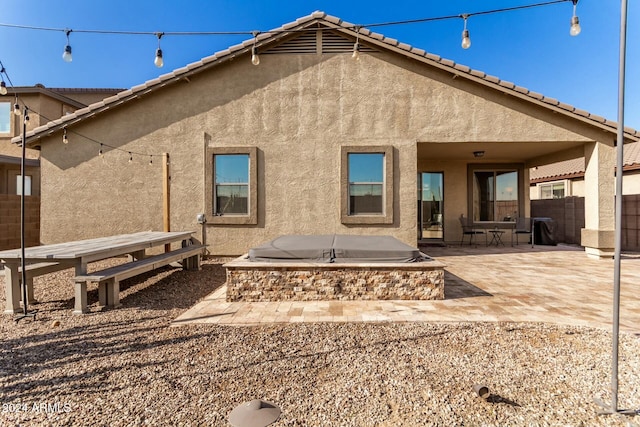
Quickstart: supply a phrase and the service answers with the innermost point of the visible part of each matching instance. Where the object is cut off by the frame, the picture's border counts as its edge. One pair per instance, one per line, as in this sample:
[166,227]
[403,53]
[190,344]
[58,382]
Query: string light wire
[255,57]
[251,33]
[65,130]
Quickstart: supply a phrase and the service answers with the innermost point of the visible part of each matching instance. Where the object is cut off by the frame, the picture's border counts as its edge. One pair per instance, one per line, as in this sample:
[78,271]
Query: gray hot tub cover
[337,248]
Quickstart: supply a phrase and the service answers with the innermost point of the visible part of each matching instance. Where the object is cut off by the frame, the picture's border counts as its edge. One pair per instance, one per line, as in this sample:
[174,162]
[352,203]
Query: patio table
[496,237]
[78,254]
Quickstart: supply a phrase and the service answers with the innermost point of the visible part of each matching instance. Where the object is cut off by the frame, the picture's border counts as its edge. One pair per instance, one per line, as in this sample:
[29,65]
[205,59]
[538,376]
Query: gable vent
[333,42]
[307,42]
[303,43]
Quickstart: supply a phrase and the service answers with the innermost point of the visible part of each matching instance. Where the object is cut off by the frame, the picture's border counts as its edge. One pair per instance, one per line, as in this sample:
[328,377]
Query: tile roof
[576,167]
[333,22]
[40,89]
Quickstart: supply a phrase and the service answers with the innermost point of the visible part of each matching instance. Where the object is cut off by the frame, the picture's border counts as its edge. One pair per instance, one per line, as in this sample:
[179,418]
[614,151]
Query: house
[45,104]
[315,141]
[566,178]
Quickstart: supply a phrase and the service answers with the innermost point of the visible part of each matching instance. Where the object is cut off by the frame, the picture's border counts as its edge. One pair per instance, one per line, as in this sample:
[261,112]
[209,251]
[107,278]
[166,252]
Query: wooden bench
[109,279]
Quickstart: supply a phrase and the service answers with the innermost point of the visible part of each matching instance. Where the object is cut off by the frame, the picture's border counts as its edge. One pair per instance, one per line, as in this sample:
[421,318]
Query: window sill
[232,220]
[367,219]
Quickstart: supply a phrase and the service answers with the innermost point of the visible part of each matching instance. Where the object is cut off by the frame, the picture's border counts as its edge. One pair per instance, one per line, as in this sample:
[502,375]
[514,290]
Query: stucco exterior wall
[298,111]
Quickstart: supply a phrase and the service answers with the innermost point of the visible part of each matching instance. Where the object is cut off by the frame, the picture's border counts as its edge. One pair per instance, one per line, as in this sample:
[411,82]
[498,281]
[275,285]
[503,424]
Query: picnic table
[78,254]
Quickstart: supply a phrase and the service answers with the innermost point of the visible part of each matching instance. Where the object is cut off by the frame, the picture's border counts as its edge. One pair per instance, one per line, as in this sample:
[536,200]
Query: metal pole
[166,197]
[618,200]
[23,277]
[613,409]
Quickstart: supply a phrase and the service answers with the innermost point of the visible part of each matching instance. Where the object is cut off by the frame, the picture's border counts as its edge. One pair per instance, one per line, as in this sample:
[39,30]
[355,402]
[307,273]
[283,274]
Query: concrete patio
[555,284]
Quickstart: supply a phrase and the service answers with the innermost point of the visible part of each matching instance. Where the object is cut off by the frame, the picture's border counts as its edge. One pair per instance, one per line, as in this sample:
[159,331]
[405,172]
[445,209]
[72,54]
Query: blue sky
[530,47]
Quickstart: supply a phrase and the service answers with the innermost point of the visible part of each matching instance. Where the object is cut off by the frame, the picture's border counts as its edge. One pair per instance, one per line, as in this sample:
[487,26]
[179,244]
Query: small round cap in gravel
[256,413]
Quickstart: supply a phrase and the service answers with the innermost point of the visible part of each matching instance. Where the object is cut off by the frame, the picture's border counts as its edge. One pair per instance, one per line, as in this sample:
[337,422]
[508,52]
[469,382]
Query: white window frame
[566,185]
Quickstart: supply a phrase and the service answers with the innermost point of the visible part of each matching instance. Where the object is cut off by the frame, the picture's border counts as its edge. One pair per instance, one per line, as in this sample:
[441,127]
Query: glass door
[430,206]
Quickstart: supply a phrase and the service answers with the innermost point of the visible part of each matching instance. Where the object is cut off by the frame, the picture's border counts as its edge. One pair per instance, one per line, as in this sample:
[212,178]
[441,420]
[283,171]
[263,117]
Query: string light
[159,62]
[100,150]
[575,22]
[3,85]
[17,111]
[255,59]
[466,40]
[356,46]
[66,55]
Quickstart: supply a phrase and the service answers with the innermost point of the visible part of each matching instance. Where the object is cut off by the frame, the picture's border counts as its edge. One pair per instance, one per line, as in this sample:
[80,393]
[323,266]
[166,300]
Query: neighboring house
[45,105]
[566,178]
[313,141]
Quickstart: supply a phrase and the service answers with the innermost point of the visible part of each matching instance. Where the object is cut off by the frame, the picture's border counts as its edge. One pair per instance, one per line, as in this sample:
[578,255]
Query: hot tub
[334,267]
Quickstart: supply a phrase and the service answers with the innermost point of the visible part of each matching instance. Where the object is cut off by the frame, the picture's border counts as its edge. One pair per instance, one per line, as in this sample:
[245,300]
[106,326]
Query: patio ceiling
[531,153]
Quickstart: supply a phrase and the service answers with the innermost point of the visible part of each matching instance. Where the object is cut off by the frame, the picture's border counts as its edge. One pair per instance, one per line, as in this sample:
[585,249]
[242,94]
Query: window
[5,117]
[366,182]
[367,185]
[231,175]
[27,185]
[496,193]
[552,190]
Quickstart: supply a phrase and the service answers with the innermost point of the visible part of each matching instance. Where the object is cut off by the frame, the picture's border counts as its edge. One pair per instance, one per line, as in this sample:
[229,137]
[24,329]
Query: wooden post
[166,197]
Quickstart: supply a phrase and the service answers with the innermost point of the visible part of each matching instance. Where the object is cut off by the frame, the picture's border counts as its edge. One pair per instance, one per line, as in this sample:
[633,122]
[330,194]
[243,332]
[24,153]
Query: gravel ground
[128,367]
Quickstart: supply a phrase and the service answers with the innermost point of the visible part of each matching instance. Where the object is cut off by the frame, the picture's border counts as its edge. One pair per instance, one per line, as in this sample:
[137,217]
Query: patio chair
[523,226]
[469,230]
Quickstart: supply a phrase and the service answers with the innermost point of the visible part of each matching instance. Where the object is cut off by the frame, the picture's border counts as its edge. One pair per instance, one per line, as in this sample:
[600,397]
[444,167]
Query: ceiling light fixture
[478,154]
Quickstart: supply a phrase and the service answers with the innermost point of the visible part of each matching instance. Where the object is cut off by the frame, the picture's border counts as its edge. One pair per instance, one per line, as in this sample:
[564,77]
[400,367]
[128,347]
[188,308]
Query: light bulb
[356,51]
[130,157]
[66,56]
[3,88]
[255,59]
[575,26]
[16,109]
[466,40]
[65,140]
[158,61]
[100,151]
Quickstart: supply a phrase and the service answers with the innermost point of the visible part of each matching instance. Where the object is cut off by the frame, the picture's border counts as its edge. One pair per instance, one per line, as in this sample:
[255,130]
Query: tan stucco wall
[298,111]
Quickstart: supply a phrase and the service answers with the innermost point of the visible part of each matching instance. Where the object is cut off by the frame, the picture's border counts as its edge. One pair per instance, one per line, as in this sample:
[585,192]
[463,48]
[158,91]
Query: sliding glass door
[430,206]
[495,195]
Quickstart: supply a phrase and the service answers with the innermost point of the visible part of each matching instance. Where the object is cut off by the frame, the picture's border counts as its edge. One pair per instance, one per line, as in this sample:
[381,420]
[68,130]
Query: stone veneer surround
[303,281]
